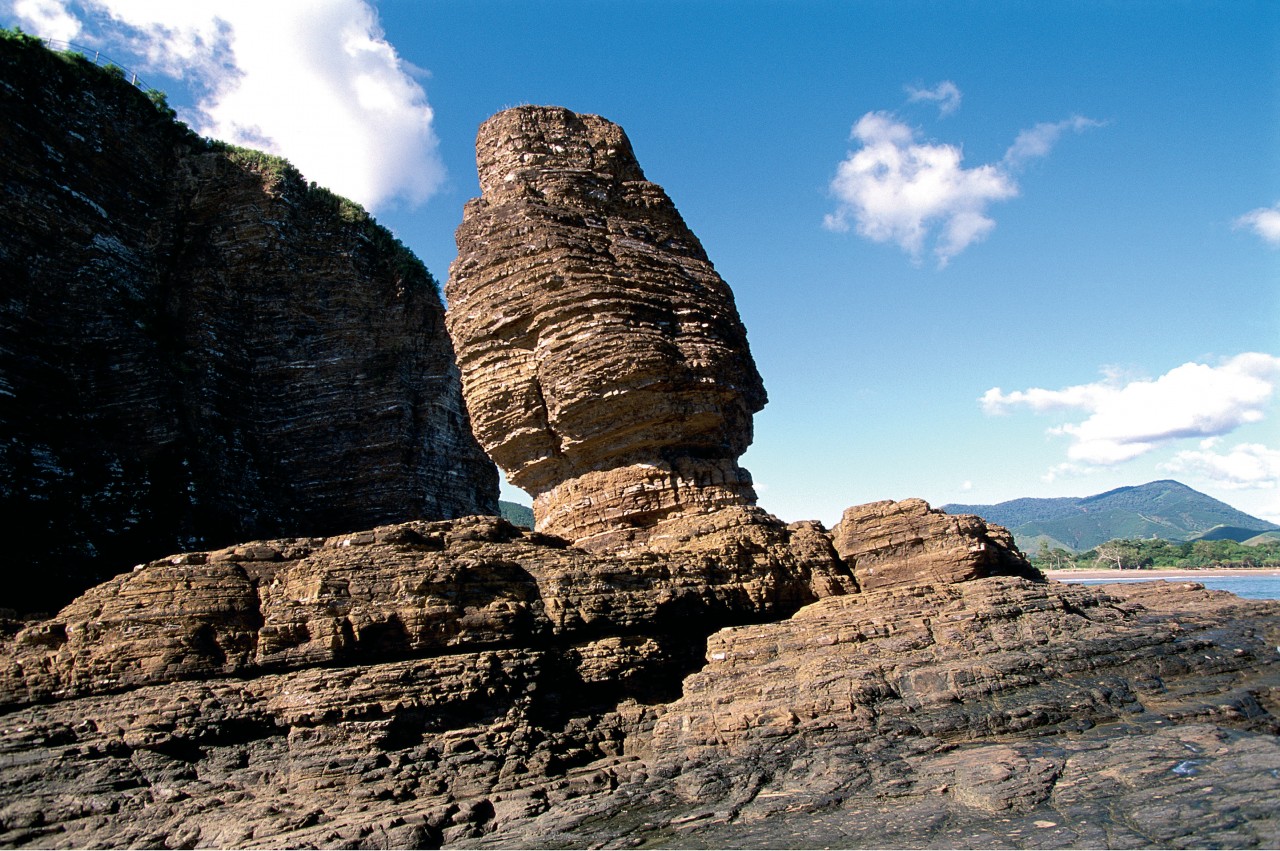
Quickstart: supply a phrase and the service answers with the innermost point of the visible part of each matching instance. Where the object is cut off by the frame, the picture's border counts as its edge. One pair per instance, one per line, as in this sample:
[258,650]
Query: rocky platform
[466,684]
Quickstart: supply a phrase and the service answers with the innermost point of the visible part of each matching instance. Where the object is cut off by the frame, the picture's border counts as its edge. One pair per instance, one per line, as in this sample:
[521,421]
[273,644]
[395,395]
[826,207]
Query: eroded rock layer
[415,589]
[707,677]
[602,357]
[462,684]
[994,712]
[427,588]
[892,543]
[198,348]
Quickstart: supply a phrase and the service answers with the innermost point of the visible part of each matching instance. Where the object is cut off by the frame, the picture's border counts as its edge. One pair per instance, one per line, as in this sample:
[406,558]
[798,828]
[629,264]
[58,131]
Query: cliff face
[197,348]
[604,363]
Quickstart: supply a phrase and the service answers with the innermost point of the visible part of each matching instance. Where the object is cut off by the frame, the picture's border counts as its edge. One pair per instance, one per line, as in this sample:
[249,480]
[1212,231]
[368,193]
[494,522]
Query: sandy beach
[1163,573]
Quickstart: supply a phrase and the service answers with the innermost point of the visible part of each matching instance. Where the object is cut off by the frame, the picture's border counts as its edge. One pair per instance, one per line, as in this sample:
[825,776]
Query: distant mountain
[1164,509]
[1226,533]
[520,515]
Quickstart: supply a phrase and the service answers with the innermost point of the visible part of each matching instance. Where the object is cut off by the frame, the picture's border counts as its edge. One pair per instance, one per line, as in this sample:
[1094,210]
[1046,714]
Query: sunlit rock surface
[461,684]
[602,357]
[891,543]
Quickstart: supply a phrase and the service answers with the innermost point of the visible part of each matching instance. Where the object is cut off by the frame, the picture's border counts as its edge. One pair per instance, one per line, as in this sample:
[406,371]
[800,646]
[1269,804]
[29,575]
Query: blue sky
[982,250]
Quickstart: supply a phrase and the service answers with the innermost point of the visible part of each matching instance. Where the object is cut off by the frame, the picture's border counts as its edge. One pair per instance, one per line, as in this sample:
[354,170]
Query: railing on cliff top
[97,58]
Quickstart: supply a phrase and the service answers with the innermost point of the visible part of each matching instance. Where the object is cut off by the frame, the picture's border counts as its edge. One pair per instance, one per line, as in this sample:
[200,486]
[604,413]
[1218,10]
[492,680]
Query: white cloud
[896,188]
[311,80]
[996,401]
[1066,470]
[1264,221]
[1247,465]
[945,94]
[1039,140]
[1129,419]
[47,19]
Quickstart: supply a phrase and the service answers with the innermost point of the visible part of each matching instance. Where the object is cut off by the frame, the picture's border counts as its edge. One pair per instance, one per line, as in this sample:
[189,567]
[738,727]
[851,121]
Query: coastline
[1161,573]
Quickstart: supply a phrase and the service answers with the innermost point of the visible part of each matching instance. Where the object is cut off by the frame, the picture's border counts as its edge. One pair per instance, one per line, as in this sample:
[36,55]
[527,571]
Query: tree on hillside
[1155,552]
[1123,554]
[1053,559]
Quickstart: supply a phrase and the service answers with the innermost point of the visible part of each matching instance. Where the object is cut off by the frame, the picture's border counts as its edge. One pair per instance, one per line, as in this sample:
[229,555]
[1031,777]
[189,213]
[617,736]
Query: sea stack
[603,361]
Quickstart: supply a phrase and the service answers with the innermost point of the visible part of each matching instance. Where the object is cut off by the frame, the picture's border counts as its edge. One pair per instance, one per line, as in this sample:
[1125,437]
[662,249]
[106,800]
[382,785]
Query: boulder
[889,543]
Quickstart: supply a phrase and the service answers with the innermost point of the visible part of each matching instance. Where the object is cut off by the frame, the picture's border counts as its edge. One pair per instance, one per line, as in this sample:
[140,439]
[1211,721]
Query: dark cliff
[196,347]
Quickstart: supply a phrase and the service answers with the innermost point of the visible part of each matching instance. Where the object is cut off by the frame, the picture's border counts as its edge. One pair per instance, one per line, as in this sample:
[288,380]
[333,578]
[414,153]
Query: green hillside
[516,514]
[1164,509]
[1227,533]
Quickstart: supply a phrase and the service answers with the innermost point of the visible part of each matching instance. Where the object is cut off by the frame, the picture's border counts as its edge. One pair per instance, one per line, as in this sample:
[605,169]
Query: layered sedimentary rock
[413,589]
[498,662]
[908,543]
[198,348]
[712,677]
[602,357]
[461,684]
[993,712]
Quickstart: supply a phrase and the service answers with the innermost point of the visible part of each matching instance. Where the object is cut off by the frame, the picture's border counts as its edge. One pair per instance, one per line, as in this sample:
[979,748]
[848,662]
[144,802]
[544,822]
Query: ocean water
[1254,587]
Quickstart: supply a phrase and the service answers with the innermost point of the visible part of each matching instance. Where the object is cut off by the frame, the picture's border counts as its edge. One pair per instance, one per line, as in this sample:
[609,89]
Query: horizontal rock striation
[996,712]
[704,675]
[891,543]
[426,588]
[510,711]
[198,348]
[476,668]
[413,589]
[602,357]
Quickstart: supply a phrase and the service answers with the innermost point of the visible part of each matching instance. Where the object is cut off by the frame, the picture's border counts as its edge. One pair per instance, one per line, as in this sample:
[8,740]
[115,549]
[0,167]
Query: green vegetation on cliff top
[273,169]
[516,514]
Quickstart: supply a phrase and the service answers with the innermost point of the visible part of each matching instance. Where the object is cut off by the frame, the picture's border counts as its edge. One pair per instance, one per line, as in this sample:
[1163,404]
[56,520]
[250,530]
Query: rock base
[591,509]
[998,712]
